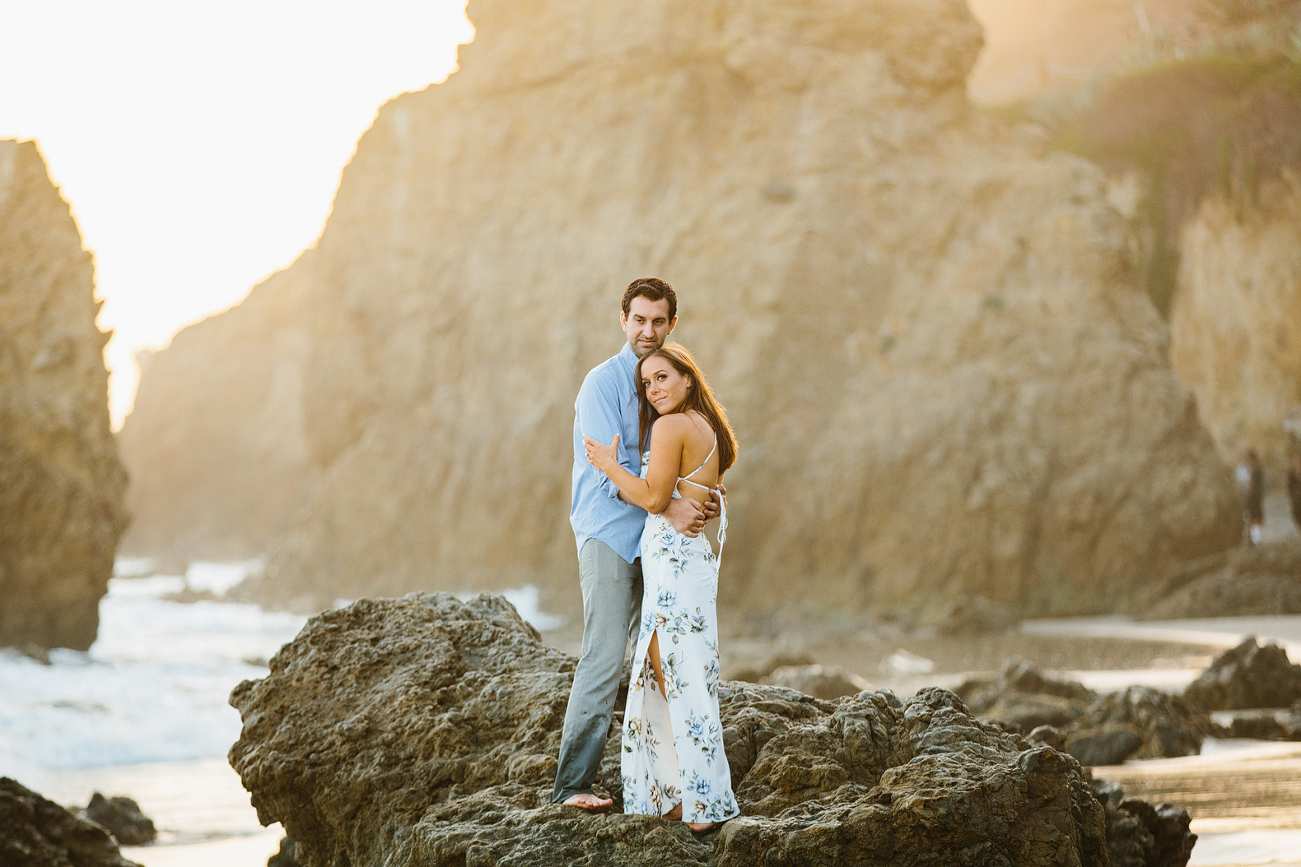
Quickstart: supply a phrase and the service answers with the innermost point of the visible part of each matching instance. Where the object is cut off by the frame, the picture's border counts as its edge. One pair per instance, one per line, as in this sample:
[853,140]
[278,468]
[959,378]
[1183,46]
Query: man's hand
[686,516]
[714,507]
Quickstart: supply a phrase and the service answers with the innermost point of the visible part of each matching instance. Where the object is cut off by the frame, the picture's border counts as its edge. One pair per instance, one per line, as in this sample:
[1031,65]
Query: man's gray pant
[611,615]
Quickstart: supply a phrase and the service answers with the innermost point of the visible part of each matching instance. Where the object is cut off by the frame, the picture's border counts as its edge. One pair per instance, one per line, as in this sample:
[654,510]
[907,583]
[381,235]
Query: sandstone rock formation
[61,484]
[215,443]
[36,832]
[962,390]
[423,731]
[1043,47]
[1236,322]
[1250,579]
[1250,675]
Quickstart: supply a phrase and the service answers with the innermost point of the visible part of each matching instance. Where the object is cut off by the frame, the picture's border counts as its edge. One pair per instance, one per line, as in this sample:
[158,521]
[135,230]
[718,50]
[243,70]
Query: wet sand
[1245,798]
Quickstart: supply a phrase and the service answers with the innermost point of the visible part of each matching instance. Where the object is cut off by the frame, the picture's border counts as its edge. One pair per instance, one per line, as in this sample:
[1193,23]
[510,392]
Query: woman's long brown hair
[700,397]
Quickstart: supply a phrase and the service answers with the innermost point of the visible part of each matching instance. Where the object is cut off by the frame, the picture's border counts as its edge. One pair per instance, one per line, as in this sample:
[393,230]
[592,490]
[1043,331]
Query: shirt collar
[628,359]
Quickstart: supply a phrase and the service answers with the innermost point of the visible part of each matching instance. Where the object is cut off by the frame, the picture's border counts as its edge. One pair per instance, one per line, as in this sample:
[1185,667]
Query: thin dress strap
[687,477]
[722,518]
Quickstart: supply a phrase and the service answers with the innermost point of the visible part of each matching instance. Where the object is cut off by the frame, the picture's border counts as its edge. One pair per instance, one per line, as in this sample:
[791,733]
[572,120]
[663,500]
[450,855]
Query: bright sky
[200,143]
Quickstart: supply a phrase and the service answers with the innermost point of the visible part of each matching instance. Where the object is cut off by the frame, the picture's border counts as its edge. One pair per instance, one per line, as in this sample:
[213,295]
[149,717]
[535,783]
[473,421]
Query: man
[1294,487]
[1254,515]
[608,533]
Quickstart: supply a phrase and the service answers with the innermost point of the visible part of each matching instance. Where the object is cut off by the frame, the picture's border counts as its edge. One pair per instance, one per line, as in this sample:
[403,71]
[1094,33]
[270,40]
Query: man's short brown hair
[653,289]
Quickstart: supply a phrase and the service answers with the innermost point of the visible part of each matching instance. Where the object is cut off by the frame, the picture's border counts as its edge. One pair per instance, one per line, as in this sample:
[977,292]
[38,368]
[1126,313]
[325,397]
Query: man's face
[647,324]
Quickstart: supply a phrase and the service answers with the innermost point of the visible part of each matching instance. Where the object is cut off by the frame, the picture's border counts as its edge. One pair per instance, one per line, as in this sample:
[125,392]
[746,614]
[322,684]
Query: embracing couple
[651,445]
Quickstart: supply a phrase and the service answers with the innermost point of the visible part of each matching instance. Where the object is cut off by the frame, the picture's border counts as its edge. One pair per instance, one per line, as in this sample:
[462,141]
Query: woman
[673,760]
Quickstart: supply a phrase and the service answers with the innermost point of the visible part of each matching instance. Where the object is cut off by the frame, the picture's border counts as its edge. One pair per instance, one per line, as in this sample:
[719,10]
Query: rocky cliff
[215,441]
[61,484]
[1236,323]
[423,731]
[926,332]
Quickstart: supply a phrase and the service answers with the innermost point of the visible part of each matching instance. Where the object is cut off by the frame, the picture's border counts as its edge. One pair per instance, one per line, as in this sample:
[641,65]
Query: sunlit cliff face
[1033,46]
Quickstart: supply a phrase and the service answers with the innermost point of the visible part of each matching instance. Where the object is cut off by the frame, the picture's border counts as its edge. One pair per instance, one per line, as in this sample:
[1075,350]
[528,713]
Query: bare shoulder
[673,427]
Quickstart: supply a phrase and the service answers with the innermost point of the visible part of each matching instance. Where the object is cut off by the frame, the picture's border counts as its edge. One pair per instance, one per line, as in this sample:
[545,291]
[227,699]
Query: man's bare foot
[701,827]
[675,813]
[588,802]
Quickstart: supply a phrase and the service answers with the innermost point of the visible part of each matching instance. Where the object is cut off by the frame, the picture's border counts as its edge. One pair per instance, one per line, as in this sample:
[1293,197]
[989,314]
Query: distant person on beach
[1294,487]
[1253,477]
[672,762]
[608,531]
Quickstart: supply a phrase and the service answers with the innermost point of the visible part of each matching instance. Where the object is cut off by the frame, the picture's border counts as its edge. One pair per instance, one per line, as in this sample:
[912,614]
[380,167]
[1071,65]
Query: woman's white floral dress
[673,750]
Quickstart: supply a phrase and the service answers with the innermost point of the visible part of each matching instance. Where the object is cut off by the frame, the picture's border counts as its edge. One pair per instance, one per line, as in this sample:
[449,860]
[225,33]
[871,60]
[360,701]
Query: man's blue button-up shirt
[606,405]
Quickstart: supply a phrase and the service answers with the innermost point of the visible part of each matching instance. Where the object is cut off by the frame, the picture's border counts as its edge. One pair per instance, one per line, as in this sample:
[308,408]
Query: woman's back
[698,471]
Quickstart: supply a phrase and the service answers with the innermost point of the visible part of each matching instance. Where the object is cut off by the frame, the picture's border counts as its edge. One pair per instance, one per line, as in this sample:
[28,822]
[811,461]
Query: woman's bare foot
[701,827]
[675,813]
[588,802]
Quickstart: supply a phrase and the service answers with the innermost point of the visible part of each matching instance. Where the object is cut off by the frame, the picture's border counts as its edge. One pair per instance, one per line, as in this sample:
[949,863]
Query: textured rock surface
[122,818]
[964,390]
[1250,675]
[36,832]
[1024,698]
[1236,321]
[1251,579]
[423,730]
[61,484]
[1142,835]
[1139,722]
[215,442]
[1167,724]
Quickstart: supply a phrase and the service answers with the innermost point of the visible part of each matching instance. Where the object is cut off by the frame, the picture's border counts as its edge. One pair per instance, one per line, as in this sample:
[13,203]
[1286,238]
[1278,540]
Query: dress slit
[657,722]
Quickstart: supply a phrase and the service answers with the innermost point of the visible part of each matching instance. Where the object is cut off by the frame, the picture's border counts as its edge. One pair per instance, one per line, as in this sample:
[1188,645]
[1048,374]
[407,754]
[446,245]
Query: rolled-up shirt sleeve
[598,417]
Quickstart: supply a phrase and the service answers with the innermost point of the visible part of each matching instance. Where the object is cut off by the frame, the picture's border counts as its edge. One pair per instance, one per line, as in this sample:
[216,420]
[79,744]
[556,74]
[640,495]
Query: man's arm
[598,417]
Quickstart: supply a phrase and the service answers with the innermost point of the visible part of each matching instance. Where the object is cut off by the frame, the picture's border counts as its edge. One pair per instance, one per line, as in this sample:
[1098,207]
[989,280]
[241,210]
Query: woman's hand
[604,458]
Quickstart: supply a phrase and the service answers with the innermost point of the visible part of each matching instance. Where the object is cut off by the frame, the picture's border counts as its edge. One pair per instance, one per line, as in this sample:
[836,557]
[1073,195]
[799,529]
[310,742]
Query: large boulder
[36,832]
[61,484]
[1250,675]
[423,731]
[963,389]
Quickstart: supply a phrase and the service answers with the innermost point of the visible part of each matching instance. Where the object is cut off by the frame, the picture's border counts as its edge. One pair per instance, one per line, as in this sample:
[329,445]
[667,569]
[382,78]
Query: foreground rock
[1247,580]
[967,391]
[122,818]
[36,832]
[61,485]
[423,730]
[1250,675]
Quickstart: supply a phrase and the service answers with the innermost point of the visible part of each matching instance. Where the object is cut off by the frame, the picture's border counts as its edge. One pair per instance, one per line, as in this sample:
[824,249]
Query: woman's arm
[654,492]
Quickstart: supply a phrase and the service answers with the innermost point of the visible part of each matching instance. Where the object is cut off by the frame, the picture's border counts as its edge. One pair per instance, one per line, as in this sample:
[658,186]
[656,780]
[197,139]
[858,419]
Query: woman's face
[665,388]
